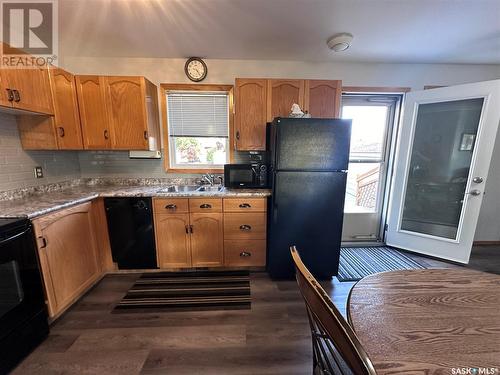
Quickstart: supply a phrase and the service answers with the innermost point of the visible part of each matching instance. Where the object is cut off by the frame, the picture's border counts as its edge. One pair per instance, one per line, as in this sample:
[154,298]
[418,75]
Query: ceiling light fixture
[340,42]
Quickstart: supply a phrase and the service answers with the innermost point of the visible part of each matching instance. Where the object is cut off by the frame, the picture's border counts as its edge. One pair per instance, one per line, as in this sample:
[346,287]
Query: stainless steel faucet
[210,179]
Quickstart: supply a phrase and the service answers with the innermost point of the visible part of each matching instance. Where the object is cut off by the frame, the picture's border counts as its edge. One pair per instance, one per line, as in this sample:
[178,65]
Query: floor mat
[358,262]
[189,291]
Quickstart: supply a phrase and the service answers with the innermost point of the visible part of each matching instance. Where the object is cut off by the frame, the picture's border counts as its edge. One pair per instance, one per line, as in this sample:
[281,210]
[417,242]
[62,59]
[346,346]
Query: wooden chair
[336,349]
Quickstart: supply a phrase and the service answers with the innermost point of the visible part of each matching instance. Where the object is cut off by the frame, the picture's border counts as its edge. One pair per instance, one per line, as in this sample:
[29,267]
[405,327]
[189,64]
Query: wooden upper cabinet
[67,118]
[6,97]
[127,106]
[281,94]
[322,98]
[250,114]
[207,246]
[93,112]
[68,255]
[29,90]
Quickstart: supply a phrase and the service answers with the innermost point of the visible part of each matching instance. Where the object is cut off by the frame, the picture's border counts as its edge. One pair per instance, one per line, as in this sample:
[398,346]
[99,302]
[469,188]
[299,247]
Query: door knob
[477,180]
[474,192]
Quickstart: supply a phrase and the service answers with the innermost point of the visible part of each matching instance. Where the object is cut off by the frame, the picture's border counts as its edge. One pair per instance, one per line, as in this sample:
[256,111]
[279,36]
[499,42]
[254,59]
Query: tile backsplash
[16,165]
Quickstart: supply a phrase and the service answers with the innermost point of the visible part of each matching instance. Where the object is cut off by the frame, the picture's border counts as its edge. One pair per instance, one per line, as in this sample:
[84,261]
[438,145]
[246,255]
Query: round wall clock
[195,69]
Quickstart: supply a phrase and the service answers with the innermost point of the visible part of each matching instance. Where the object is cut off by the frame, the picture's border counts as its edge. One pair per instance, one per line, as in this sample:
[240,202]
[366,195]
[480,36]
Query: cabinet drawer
[170,206]
[245,205]
[245,226]
[242,253]
[205,205]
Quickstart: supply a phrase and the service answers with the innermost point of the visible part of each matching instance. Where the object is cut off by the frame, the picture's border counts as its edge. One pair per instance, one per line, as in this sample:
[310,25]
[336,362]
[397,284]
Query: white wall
[415,76]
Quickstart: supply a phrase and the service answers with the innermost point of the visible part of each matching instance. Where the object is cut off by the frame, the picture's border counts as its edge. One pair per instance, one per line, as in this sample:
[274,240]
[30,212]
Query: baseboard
[486,243]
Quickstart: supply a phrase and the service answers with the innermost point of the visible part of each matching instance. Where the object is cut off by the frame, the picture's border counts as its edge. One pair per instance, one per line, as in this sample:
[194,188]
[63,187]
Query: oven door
[21,290]
[240,176]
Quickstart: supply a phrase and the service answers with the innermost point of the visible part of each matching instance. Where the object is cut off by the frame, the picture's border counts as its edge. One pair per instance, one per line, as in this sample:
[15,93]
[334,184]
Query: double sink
[191,188]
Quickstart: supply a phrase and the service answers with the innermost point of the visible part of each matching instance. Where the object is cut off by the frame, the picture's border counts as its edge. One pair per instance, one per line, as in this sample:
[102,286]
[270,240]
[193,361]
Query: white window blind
[200,114]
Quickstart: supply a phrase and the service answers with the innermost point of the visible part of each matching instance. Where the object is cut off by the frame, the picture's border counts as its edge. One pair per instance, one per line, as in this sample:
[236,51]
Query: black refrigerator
[308,165]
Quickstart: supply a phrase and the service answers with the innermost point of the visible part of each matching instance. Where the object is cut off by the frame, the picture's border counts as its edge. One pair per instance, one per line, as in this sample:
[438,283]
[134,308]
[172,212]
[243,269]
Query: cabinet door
[33,90]
[68,255]
[250,115]
[281,94]
[322,98]
[172,240]
[207,246]
[93,112]
[128,115]
[67,117]
[6,100]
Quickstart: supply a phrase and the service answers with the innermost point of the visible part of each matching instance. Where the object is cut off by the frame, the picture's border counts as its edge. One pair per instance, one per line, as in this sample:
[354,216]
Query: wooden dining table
[432,321]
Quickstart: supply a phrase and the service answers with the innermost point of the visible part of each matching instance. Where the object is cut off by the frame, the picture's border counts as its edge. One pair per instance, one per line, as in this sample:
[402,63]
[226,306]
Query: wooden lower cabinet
[172,240]
[245,253]
[207,233]
[68,255]
[210,232]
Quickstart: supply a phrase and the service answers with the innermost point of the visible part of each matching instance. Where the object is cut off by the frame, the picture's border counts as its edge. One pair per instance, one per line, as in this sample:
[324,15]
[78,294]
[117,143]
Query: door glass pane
[368,130]
[11,292]
[442,150]
[362,187]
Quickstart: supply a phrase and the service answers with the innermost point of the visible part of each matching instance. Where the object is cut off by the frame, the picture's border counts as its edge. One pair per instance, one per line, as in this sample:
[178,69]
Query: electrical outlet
[38,172]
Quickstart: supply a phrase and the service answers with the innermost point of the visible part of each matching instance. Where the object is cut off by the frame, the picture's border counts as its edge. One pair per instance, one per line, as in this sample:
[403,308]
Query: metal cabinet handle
[146,135]
[205,205]
[245,205]
[171,206]
[17,96]
[61,131]
[245,254]
[10,95]
[44,242]
[245,227]
[477,180]
[106,134]
[474,193]
[238,136]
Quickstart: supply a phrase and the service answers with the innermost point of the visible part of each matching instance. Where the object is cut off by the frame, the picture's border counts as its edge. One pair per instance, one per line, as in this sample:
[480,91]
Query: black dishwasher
[131,232]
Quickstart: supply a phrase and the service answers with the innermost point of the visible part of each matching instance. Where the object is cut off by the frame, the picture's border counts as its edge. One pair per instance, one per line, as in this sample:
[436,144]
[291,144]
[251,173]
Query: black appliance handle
[7,240]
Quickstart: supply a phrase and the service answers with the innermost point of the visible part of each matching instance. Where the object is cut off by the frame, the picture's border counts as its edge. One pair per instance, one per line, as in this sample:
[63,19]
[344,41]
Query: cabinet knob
[106,134]
[171,206]
[187,229]
[206,205]
[10,95]
[245,205]
[146,135]
[61,131]
[17,96]
[245,254]
[245,227]
[238,135]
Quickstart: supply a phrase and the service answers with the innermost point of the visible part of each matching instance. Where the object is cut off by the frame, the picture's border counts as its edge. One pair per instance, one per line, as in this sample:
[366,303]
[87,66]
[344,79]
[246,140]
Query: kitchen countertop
[39,204]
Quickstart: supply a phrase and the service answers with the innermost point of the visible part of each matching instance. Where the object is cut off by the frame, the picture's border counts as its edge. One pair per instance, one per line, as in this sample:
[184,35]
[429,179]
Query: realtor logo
[29,26]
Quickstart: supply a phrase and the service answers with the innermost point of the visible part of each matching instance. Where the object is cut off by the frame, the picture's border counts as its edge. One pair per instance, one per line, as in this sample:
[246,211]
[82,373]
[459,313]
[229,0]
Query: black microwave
[245,176]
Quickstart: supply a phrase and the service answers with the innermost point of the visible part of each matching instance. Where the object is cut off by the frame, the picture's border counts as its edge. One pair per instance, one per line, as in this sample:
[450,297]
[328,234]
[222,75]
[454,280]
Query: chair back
[336,347]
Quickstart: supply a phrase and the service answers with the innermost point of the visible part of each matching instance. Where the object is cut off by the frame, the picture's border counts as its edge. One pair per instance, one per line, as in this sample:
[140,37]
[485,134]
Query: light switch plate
[38,172]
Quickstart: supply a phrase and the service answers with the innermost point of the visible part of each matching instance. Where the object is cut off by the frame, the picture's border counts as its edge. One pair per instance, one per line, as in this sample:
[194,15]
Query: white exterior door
[442,161]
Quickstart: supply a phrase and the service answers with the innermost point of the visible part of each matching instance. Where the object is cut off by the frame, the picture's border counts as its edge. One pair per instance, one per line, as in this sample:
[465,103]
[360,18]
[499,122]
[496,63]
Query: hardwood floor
[271,338]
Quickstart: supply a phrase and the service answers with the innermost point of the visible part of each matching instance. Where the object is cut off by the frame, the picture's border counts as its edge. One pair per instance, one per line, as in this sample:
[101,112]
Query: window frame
[165,87]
